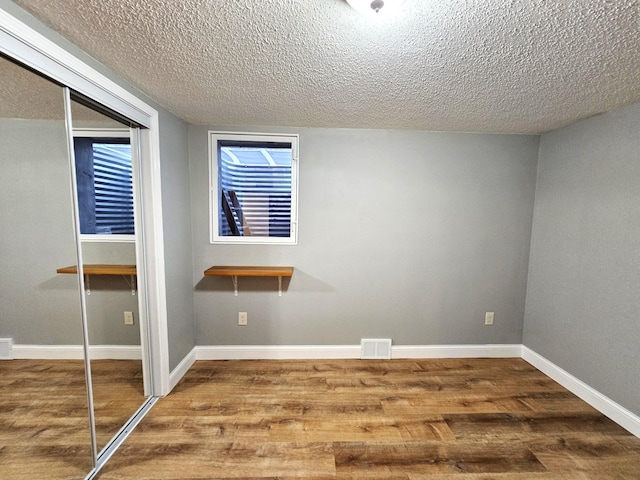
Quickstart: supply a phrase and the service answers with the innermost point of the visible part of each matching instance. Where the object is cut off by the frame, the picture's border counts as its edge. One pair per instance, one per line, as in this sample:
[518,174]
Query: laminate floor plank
[237,459]
[469,425]
[458,419]
[436,457]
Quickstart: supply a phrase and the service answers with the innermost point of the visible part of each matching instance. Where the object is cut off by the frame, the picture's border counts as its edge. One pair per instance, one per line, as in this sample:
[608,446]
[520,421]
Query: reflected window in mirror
[105,184]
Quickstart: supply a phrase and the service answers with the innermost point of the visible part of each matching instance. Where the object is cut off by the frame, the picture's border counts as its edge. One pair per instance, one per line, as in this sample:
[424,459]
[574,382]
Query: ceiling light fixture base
[377,5]
[377,9]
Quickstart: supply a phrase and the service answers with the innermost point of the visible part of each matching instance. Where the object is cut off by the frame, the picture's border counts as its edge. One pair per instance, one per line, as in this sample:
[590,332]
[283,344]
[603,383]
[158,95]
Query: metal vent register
[375,348]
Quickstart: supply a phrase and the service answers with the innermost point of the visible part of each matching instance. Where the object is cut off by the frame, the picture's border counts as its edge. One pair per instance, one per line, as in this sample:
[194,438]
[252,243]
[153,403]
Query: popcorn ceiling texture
[23,94]
[512,66]
[26,95]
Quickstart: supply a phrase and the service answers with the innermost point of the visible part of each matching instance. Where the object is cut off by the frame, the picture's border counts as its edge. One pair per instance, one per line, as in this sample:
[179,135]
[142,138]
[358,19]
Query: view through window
[255,188]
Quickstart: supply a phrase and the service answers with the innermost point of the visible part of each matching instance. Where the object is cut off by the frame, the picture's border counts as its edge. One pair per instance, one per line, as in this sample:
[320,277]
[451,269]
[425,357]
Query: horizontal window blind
[113,188]
[260,180]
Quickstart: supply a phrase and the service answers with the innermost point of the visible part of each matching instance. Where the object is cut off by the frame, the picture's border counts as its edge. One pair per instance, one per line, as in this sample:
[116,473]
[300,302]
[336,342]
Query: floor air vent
[375,348]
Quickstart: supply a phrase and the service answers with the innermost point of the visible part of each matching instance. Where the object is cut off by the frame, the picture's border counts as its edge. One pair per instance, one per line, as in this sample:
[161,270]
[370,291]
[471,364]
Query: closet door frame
[21,42]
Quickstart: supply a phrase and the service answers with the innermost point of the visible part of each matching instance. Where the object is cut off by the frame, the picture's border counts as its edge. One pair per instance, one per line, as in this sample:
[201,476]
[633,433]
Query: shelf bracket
[279,286]
[133,285]
[87,285]
[234,279]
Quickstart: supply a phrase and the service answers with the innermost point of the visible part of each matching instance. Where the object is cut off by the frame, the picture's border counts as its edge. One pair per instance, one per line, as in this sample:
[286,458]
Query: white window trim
[104,133]
[106,238]
[214,202]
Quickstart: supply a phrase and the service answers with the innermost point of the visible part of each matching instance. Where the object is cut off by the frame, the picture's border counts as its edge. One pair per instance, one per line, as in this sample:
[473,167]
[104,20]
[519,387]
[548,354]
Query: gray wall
[583,299]
[37,306]
[405,235]
[176,209]
[176,216]
[111,296]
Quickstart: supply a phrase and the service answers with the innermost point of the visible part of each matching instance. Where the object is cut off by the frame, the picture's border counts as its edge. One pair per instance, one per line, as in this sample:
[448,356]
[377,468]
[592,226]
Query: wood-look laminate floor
[454,419]
[118,392]
[44,425]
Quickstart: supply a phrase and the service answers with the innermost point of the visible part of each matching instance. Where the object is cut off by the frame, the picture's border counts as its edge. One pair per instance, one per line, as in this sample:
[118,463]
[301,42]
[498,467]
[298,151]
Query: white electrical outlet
[128,318]
[242,318]
[488,318]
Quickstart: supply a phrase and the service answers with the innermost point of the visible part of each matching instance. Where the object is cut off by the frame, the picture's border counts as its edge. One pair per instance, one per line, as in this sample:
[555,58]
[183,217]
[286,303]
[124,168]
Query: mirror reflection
[45,426]
[103,163]
[44,422]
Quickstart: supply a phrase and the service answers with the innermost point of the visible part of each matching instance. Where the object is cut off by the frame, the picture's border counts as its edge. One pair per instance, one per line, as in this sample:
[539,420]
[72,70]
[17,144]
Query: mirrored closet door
[73,293]
[44,418]
[104,157]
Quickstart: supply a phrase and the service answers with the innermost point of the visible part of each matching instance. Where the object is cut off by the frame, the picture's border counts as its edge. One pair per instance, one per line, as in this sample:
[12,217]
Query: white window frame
[214,200]
[106,133]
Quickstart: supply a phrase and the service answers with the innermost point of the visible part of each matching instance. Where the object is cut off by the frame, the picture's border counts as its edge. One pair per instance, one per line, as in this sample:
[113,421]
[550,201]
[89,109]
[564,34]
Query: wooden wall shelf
[100,269]
[249,271]
[103,269]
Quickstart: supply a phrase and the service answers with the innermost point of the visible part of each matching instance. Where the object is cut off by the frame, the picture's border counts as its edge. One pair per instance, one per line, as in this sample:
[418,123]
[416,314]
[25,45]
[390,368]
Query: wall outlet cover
[488,318]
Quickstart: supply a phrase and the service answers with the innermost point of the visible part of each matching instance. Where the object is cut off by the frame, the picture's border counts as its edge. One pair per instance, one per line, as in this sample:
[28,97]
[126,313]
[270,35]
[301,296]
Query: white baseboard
[75,352]
[456,351]
[597,400]
[277,352]
[317,352]
[183,367]
[115,352]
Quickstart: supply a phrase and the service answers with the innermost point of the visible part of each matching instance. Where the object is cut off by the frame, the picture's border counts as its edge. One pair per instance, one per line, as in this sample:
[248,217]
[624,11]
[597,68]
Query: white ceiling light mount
[374,7]
[377,5]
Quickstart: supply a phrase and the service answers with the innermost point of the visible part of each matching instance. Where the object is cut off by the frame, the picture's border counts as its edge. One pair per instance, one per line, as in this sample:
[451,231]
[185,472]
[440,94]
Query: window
[253,188]
[105,185]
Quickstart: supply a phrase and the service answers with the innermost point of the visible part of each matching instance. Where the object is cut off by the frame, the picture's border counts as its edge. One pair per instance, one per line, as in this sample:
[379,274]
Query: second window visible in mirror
[105,184]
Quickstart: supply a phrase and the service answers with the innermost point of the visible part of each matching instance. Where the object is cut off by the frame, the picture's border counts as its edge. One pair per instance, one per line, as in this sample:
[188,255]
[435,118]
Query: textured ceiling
[514,66]
[23,94]
[26,95]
